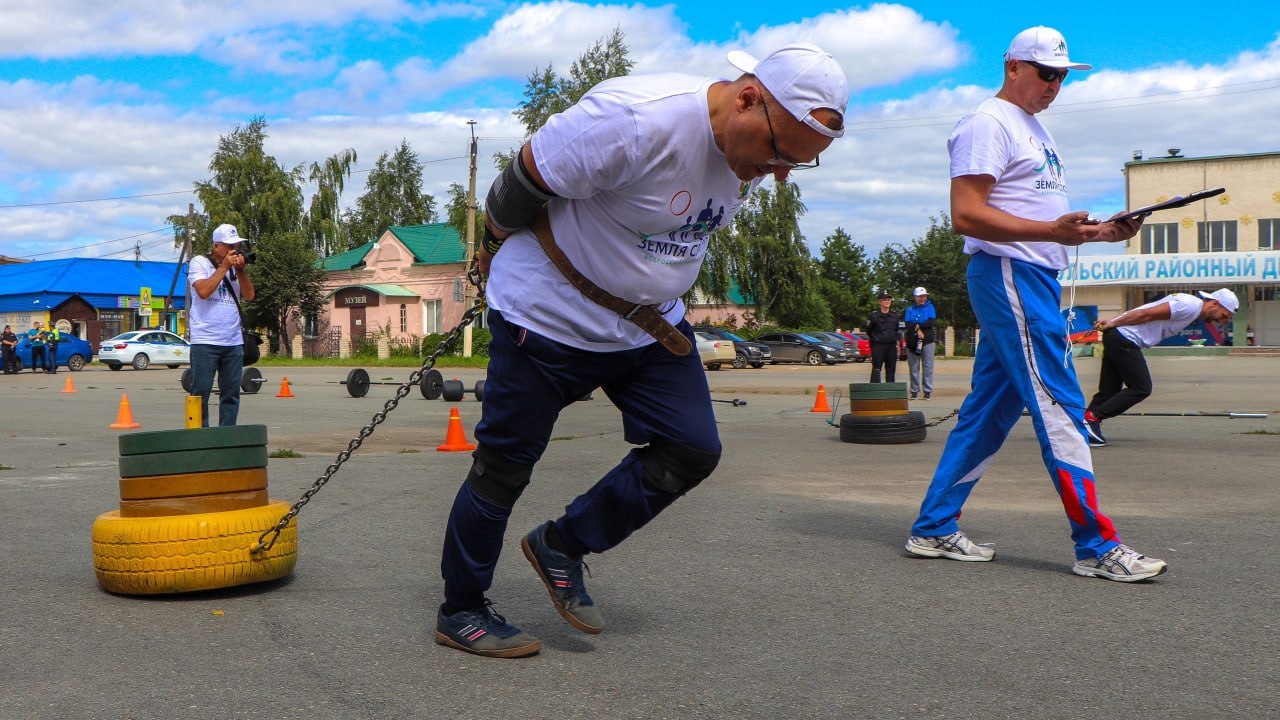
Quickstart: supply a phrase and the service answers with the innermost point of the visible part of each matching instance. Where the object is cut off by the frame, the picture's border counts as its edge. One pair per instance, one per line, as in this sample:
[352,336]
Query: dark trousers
[885,354]
[10,360]
[51,357]
[1124,380]
[531,379]
[37,358]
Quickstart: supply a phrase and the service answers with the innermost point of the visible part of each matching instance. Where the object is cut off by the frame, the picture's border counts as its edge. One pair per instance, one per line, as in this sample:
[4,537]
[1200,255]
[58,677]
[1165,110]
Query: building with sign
[1232,241]
[404,286]
[93,298]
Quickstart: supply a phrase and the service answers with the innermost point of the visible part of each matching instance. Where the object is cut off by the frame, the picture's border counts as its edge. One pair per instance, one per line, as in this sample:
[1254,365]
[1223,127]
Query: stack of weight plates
[878,415]
[192,504]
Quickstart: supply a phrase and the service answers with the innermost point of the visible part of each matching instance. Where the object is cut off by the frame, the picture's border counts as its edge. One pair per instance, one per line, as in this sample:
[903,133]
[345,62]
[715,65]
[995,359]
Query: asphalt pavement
[777,589]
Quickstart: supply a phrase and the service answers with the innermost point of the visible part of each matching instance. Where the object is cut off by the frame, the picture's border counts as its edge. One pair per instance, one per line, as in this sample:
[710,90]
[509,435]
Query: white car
[714,351]
[143,348]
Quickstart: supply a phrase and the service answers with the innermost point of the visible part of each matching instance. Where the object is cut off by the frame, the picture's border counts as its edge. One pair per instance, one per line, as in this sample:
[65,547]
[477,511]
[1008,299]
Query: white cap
[1225,298]
[1044,46]
[226,234]
[920,291]
[803,78]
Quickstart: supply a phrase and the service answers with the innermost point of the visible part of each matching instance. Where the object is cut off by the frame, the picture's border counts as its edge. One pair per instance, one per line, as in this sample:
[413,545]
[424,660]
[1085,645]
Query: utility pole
[468,289]
[184,254]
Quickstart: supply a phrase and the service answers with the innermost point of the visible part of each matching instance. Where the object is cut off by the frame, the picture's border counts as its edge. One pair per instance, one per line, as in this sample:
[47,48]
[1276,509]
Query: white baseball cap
[803,78]
[920,291]
[226,234]
[1225,298]
[1044,46]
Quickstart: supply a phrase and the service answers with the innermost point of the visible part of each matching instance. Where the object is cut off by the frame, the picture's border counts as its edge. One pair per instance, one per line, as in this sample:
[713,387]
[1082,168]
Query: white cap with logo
[1225,298]
[802,77]
[920,291]
[225,234]
[1043,46]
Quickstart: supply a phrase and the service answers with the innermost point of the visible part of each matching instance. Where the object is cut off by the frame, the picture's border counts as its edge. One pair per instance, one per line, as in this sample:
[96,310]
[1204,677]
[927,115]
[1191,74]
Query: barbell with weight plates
[358,382]
[453,390]
[250,382]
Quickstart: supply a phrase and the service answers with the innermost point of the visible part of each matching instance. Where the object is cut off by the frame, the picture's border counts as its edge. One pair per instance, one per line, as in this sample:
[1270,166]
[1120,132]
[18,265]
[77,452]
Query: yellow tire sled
[186,553]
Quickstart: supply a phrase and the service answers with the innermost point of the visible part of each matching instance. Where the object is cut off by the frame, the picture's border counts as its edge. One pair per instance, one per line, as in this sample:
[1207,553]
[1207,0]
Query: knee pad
[497,479]
[676,469]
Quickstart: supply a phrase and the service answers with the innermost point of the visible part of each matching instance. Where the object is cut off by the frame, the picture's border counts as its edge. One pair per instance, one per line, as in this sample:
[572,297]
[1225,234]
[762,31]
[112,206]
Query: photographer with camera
[219,281]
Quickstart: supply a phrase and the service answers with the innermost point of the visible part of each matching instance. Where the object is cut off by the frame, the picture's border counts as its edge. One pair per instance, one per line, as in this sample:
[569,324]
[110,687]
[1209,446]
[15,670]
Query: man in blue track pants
[1009,199]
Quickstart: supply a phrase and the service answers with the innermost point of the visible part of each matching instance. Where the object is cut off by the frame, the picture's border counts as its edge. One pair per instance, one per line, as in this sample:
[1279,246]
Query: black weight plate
[453,390]
[357,383]
[193,461]
[251,381]
[186,380]
[479,391]
[163,441]
[432,384]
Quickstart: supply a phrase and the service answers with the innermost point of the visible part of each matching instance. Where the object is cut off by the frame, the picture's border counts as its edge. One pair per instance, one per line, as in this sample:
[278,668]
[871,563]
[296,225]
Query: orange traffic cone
[455,440]
[284,388]
[124,418]
[69,387]
[820,404]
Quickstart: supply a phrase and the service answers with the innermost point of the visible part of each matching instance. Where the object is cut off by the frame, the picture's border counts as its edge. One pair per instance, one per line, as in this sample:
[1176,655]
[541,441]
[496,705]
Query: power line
[102,242]
[106,199]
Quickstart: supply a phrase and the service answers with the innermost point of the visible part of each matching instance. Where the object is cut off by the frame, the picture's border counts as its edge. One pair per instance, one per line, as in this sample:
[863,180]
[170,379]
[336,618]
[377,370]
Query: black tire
[75,363]
[813,358]
[713,366]
[901,429]
[757,365]
[114,366]
[173,367]
[739,361]
[141,361]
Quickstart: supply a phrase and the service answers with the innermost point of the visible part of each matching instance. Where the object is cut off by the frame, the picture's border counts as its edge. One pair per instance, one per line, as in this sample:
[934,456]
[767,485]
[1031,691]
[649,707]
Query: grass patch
[5,467]
[407,451]
[284,453]
[367,361]
[1262,432]
[564,437]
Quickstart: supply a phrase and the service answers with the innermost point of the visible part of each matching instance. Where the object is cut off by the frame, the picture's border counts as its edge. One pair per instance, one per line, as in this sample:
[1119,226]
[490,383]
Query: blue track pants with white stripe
[1022,363]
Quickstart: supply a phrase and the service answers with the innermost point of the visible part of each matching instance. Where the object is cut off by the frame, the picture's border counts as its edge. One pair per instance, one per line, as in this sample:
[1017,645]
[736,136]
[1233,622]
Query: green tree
[455,213]
[547,93]
[324,223]
[937,262]
[393,196]
[846,280]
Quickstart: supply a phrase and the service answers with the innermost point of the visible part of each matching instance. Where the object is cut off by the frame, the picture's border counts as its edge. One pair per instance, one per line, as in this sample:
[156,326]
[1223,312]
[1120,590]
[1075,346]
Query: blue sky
[107,100]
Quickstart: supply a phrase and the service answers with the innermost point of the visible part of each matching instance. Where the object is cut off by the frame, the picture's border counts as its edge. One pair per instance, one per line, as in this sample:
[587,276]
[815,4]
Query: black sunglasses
[777,160]
[1048,74]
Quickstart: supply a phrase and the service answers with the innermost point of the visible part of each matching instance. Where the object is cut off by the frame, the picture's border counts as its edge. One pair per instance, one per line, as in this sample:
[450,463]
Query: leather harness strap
[646,317]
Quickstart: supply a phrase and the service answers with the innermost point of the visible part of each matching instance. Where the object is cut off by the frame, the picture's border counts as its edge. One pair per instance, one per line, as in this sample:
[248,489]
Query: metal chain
[445,345]
[943,419]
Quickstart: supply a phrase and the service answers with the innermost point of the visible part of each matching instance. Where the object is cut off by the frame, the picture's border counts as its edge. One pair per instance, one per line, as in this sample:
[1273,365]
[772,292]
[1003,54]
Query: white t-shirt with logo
[1004,141]
[641,186]
[214,320]
[1183,310]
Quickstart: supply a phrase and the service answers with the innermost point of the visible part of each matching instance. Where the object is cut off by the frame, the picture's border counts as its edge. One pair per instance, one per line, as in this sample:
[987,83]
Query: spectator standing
[51,338]
[217,343]
[919,319]
[1009,200]
[593,233]
[1125,379]
[9,345]
[882,333]
[35,337]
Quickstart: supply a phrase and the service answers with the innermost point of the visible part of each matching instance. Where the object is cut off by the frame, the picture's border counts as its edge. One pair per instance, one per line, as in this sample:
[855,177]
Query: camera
[249,255]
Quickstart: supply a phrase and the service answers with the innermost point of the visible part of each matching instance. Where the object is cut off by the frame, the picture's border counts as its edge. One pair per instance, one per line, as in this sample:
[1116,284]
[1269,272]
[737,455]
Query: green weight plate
[193,461]
[164,441]
[865,386]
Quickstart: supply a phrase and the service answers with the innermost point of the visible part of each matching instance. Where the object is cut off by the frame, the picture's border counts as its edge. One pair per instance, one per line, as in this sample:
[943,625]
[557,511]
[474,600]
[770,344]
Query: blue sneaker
[563,577]
[1093,429]
[484,632]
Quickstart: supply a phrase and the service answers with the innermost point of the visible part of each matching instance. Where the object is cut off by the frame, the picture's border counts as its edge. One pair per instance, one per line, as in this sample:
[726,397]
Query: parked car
[72,352]
[714,351]
[863,343]
[840,341]
[799,347]
[745,352]
[144,348]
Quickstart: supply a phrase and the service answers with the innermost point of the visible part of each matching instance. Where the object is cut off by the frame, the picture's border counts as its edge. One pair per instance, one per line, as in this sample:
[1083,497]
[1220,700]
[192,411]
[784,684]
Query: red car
[864,345]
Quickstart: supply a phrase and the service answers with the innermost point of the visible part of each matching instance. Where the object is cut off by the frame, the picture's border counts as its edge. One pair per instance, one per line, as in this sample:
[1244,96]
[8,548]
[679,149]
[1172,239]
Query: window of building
[1216,236]
[404,318]
[310,326]
[1269,234]
[431,317]
[1159,238]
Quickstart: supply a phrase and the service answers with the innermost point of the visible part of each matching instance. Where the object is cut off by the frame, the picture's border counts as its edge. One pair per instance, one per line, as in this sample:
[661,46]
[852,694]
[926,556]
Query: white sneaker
[956,546]
[1122,564]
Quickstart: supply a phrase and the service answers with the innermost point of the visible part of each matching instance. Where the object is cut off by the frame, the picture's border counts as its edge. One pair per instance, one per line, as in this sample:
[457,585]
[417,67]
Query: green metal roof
[387,289]
[432,244]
